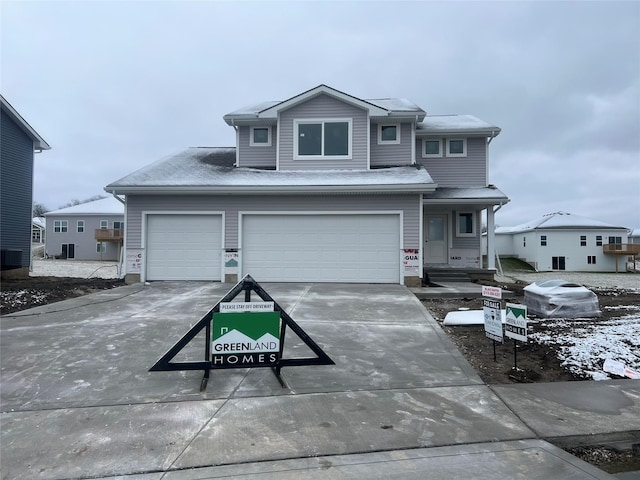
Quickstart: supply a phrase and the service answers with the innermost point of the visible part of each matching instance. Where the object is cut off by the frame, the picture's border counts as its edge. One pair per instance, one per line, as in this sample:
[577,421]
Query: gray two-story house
[88,231]
[18,144]
[321,187]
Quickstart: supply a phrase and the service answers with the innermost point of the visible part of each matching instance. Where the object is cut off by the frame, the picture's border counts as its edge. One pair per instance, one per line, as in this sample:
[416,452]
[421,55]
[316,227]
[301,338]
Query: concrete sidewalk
[78,401]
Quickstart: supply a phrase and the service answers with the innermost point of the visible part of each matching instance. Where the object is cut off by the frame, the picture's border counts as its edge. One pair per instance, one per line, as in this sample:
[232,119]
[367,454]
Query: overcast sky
[113,86]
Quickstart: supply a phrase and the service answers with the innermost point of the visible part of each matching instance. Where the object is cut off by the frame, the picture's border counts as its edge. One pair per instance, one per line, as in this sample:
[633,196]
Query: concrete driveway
[78,401]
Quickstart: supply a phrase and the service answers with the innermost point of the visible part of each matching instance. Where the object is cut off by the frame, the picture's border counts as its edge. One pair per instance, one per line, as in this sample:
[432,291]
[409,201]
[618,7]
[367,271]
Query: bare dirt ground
[17,295]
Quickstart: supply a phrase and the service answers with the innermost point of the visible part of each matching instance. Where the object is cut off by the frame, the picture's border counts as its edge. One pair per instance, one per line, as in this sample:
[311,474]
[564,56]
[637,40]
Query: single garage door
[322,248]
[184,247]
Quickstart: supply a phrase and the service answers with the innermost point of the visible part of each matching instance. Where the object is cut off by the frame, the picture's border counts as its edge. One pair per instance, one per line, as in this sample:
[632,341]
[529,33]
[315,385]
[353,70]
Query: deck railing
[109,234]
[622,248]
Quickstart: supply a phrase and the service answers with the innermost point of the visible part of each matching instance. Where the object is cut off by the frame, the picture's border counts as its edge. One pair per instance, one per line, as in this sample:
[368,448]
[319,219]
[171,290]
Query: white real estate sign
[516,322]
[492,319]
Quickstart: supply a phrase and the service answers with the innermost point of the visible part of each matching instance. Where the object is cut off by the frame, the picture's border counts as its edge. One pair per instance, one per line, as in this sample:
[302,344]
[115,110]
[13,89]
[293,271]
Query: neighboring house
[88,231]
[563,241]
[18,143]
[38,230]
[321,187]
[634,236]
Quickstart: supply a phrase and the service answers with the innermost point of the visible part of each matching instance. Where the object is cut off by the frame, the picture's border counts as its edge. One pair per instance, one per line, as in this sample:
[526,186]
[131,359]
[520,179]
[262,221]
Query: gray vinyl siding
[85,242]
[469,171]
[231,205]
[16,188]
[256,157]
[321,107]
[391,155]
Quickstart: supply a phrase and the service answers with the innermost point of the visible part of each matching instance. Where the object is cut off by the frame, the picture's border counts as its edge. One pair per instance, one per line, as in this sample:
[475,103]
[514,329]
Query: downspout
[233,124]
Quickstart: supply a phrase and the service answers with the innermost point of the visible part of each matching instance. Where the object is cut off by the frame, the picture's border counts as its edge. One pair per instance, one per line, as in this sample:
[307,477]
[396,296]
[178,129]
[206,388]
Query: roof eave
[263,189]
[39,143]
[490,132]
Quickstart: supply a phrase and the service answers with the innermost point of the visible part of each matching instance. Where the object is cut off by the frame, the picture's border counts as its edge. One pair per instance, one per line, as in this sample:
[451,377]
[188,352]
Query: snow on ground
[73,268]
[583,345]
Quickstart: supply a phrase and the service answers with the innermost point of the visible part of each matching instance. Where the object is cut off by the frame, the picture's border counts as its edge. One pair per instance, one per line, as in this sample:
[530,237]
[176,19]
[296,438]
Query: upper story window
[322,138]
[260,137]
[432,148]
[80,226]
[60,226]
[583,240]
[388,134]
[104,224]
[456,147]
[466,224]
[598,240]
[543,240]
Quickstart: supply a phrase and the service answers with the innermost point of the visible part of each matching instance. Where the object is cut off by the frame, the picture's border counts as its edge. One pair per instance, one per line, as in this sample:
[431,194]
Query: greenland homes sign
[246,338]
[243,334]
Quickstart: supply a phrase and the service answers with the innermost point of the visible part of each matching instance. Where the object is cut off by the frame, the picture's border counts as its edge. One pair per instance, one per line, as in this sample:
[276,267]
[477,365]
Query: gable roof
[458,124]
[39,143]
[104,206]
[386,108]
[559,221]
[203,170]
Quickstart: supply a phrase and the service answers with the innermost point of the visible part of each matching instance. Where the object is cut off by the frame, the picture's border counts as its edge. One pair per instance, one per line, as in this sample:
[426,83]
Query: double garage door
[278,247]
[322,248]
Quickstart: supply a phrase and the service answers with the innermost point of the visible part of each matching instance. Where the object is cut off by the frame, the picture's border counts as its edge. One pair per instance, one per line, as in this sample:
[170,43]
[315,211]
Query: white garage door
[322,248]
[184,247]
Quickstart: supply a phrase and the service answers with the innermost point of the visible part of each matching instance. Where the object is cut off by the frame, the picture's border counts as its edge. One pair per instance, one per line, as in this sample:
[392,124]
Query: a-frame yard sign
[242,335]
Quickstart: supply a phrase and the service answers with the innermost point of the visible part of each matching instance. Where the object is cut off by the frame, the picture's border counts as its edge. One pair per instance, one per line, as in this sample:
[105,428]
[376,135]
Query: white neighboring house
[563,241]
[634,236]
[89,231]
[37,230]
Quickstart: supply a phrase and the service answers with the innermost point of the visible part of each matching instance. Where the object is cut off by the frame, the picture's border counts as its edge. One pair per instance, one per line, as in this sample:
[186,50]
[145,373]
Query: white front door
[435,247]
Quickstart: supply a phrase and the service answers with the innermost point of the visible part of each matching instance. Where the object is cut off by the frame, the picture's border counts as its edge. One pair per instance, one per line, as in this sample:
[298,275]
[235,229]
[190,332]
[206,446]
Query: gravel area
[73,268]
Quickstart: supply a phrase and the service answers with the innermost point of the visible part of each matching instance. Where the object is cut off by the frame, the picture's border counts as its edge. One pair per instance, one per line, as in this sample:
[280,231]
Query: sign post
[492,307]
[516,326]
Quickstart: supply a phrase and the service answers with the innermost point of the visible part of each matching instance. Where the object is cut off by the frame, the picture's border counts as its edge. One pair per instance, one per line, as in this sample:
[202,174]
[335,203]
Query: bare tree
[38,209]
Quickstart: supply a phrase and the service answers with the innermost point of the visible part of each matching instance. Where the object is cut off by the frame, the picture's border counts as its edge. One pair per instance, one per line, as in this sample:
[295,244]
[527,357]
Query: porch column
[491,228]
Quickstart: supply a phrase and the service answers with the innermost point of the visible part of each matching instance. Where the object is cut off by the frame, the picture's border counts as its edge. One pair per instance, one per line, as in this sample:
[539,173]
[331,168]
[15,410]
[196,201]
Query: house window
[322,138]
[388,134]
[432,148]
[591,259]
[457,147]
[101,247]
[615,239]
[60,226]
[543,240]
[465,226]
[260,137]
[524,241]
[598,240]
[80,227]
[104,224]
[558,263]
[583,240]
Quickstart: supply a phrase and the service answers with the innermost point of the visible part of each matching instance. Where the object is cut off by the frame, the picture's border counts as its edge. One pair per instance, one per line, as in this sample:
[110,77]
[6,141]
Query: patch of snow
[583,349]
[73,268]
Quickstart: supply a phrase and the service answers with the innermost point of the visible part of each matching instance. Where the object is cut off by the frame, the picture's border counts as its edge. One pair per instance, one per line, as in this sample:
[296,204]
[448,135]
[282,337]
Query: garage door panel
[184,247]
[322,248]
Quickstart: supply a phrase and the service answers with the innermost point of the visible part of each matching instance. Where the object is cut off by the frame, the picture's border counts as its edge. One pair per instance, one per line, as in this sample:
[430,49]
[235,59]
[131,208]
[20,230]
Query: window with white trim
[598,240]
[388,134]
[80,226]
[432,148]
[456,147]
[101,247]
[583,240]
[543,240]
[326,138]
[465,224]
[260,137]
[60,226]
[591,259]
[104,224]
